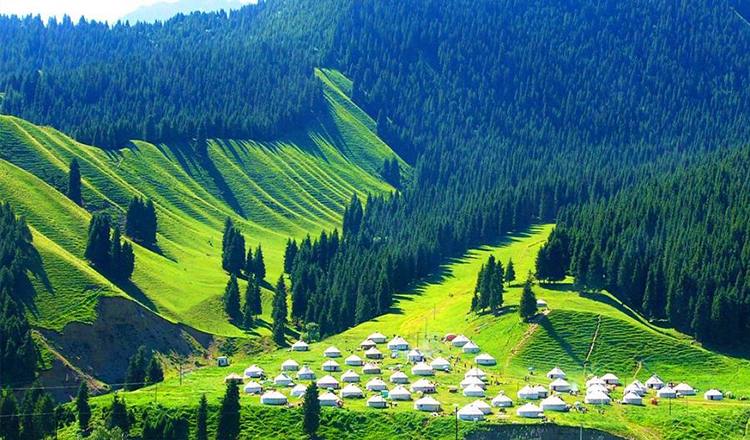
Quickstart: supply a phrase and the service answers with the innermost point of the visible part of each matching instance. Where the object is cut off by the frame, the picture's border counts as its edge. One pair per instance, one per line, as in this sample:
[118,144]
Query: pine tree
[151,224]
[232,299]
[228,427]
[201,422]
[510,272]
[127,261]
[10,427]
[115,254]
[311,411]
[74,183]
[154,372]
[45,425]
[135,376]
[259,266]
[247,307]
[83,408]
[279,313]
[527,308]
[249,261]
[701,317]
[289,253]
[496,286]
[118,415]
[98,244]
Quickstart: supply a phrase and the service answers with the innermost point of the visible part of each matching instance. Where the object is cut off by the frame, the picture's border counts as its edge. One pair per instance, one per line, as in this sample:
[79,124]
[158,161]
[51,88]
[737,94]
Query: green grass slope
[290,187]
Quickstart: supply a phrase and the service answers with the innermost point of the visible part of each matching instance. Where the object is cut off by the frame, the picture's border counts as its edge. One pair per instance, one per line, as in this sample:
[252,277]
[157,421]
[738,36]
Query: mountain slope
[165,10]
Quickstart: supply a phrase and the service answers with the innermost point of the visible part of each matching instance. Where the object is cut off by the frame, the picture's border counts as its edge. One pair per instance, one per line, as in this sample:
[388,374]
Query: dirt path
[529,332]
[593,340]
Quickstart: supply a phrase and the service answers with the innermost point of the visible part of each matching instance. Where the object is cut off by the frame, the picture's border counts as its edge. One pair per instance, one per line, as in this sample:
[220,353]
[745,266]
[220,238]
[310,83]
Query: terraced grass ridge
[290,187]
[583,334]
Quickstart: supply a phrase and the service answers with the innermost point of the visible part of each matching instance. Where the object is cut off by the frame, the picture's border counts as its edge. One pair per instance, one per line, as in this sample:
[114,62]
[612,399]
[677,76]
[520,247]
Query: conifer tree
[45,425]
[259,266]
[118,415]
[154,372]
[10,428]
[510,272]
[228,427]
[527,308]
[249,261]
[232,299]
[127,261]
[289,253]
[98,244]
[279,313]
[247,307]
[135,376]
[115,253]
[201,422]
[311,411]
[74,183]
[82,407]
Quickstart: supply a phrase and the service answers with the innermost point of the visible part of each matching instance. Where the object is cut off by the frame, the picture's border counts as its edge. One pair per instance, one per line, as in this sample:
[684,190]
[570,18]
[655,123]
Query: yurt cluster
[363,375]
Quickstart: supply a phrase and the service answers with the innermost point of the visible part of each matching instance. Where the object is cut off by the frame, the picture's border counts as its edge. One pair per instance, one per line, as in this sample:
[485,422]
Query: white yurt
[654,383]
[366,344]
[305,373]
[541,391]
[329,399]
[331,366]
[399,377]
[289,365]
[470,413]
[639,384]
[473,391]
[597,389]
[556,373]
[273,398]
[541,304]
[373,353]
[371,368]
[560,385]
[253,388]
[350,376]
[327,382]
[399,393]
[298,390]
[713,395]
[485,359]
[472,380]
[300,346]
[423,386]
[398,344]
[459,341]
[354,361]
[635,389]
[282,380]
[597,398]
[332,352]
[528,392]
[377,401]
[377,338]
[481,405]
[470,347]
[351,391]
[441,364]
[667,393]
[376,384]
[553,403]
[632,399]
[596,380]
[422,369]
[476,372]
[254,371]
[501,400]
[427,404]
[611,379]
[684,389]
[415,355]
[529,411]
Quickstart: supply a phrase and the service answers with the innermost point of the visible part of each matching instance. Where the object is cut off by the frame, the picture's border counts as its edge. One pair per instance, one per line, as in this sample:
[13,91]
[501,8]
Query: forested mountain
[165,10]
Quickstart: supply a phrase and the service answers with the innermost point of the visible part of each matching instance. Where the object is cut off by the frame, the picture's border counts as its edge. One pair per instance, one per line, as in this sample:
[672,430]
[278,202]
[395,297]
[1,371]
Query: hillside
[165,10]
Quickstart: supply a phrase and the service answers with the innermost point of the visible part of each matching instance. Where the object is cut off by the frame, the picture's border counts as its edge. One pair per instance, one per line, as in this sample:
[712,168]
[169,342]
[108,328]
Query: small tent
[528,392]
[596,380]
[329,399]
[327,382]
[376,384]
[377,338]
[331,366]
[254,371]
[427,404]
[377,401]
[399,377]
[298,391]
[289,365]
[684,389]
[440,364]
[553,403]
[485,359]
[632,399]
[354,361]
[541,391]
[422,369]
[597,398]
[234,377]
[470,347]
[556,373]
[282,380]
[351,391]
[667,393]
[473,391]
[476,372]
[366,344]
[501,400]
[398,344]
[560,385]
[253,388]
[371,368]
[529,411]
[332,352]
[483,406]
[472,380]
[415,355]
[541,304]
[654,383]
[632,388]
[611,379]
[300,346]
[222,361]
[423,386]
[373,353]
[350,376]
[470,413]
[399,393]
[459,341]
[713,395]
[273,398]
[306,373]
[597,388]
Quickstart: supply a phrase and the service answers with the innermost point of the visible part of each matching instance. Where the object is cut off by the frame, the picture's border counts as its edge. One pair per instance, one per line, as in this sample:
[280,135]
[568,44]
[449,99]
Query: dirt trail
[529,332]
[593,340]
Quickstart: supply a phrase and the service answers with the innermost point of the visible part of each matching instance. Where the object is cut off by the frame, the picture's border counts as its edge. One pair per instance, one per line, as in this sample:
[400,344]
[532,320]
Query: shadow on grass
[136,293]
[552,332]
[610,301]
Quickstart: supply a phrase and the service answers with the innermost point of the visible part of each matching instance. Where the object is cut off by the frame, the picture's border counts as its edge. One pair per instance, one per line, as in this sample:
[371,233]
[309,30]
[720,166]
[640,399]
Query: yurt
[598,389]
[632,399]
[371,368]
[639,384]
[331,366]
[398,344]
[354,361]
[351,391]
[611,379]
[289,365]
[300,346]
[329,399]
[305,373]
[501,400]
[473,391]
[528,392]
[234,377]
[298,391]
[427,404]
[376,384]
[560,385]
[483,406]
[415,355]
[713,395]
[654,383]
[667,393]
[377,401]
[377,338]
[366,344]
[423,386]
[422,369]
[441,364]
[541,304]
[597,398]
[476,372]
[529,411]
[253,388]
[273,398]
[632,388]
[332,352]
[399,393]
[350,376]
[596,380]
[399,377]
[254,371]
[470,413]
[459,341]
[541,391]
[553,403]
[449,337]
[684,389]
[470,347]
[485,359]
[282,380]
[471,380]
[373,353]
[556,373]
[327,382]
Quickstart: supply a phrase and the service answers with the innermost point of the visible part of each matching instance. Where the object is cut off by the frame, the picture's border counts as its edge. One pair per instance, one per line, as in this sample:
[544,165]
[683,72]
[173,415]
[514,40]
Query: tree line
[252,266]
